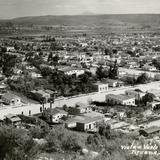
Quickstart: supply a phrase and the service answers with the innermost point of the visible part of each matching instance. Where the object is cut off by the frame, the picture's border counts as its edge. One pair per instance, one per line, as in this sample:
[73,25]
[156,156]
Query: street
[71,101]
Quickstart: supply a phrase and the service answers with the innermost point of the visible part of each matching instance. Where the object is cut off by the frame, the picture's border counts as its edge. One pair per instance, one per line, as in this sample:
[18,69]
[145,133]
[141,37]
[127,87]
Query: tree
[130,80]
[113,71]
[156,63]
[149,97]
[104,130]
[53,59]
[45,71]
[108,51]
[131,53]
[143,78]
[101,73]
[8,62]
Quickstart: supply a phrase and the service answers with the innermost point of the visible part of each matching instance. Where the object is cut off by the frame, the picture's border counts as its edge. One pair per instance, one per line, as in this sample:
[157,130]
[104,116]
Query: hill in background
[90,20]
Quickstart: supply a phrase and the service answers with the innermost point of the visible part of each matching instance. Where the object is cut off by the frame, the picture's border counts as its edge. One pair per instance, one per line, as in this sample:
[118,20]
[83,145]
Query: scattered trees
[112,73]
[141,79]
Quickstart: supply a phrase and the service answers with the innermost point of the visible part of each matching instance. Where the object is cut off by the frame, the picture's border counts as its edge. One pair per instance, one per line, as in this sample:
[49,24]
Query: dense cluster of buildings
[75,57]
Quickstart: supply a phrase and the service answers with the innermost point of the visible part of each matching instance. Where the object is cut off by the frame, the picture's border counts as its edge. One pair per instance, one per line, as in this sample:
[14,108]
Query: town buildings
[120,99]
[11,99]
[101,87]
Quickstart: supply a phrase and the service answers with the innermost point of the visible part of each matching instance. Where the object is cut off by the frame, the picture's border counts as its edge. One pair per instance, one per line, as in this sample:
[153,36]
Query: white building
[120,99]
[101,87]
[71,71]
[54,115]
[10,49]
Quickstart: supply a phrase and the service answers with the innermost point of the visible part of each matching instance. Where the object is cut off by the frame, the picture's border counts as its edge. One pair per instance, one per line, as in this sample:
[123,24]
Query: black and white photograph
[79,79]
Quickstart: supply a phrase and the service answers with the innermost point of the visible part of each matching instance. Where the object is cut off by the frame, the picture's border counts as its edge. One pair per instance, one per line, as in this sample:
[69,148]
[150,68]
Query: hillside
[90,20]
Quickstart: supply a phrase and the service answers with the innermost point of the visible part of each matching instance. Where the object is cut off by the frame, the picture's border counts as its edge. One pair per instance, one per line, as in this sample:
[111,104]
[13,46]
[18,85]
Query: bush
[17,144]
[60,139]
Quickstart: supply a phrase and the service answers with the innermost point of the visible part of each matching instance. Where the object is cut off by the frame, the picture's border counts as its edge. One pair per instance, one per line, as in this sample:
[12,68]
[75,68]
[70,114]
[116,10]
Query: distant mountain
[87,13]
[90,20]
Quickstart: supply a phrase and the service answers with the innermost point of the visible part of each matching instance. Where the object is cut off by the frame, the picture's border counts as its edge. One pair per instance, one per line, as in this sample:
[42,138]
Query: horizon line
[92,14]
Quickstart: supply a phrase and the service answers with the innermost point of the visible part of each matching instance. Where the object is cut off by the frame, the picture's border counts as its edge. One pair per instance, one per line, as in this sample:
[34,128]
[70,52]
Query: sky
[21,8]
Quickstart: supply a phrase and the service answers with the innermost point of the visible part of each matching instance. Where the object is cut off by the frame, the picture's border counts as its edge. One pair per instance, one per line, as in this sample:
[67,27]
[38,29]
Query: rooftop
[9,96]
[67,69]
[119,125]
[84,119]
[152,129]
[111,80]
[100,83]
[120,97]
[13,117]
[87,119]
[55,111]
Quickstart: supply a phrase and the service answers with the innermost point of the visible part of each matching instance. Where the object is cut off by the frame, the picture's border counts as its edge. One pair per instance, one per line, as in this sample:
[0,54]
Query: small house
[54,115]
[11,99]
[120,99]
[101,87]
[79,108]
[149,131]
[88,124]
[12,119]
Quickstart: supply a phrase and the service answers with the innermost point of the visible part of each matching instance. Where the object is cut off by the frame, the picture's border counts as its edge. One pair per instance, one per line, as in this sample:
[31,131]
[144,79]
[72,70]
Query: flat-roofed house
[114,83]
[79,108]
[12,119]
[88,124]
[54,115]
[101,87]
[149,131]
[120,99]
[11,99]
[81,122]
